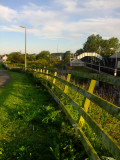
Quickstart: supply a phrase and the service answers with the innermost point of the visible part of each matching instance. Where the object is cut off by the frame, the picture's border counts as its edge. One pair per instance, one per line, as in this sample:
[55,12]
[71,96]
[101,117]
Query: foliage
[110,46]
[92,44]
[95,43]
[66,57]
[40,63]
[78,52]
[16,57]
[53,60]
[31,57]
[109,123]
[44,55]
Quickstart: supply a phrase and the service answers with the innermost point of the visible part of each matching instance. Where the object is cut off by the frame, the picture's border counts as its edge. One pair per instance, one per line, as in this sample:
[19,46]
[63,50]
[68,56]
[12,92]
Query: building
[77,63]
[3,58]
[115,59]
[59,56]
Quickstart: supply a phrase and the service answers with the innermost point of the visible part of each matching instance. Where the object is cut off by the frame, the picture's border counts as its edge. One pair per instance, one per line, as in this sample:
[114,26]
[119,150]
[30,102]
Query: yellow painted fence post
[47,73]
[87,101]
[55,74]
[68,80]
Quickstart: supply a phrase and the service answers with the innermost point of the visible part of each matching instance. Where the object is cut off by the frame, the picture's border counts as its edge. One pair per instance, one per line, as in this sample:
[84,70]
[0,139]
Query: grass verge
[31,125]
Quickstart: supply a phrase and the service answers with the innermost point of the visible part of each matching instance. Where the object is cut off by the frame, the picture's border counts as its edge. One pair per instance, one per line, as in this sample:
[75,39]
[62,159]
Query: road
[4,78]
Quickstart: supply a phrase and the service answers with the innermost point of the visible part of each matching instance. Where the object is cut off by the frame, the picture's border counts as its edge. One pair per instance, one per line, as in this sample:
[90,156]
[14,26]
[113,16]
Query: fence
[49,81]
[99,68]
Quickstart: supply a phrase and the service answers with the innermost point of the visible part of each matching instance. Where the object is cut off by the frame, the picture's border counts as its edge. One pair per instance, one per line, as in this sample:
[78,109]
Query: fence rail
[112,109]
[105,69]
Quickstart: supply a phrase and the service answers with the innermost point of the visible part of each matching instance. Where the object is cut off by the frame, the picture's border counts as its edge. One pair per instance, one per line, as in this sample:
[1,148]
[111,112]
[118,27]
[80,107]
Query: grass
[110,124]
[31,125]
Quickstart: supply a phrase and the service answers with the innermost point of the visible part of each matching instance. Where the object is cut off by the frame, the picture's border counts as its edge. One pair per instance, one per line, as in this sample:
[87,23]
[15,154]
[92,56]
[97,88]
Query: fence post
[43,70]
[37,70]
[55,74]
[68,80]
[47,73]
[87,101]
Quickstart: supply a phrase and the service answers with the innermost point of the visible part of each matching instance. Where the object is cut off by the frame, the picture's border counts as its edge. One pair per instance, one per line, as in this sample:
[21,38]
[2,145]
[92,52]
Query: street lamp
[25,45]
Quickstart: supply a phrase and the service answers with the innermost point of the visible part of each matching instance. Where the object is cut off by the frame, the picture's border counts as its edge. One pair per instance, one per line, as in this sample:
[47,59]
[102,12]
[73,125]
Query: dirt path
[4,78]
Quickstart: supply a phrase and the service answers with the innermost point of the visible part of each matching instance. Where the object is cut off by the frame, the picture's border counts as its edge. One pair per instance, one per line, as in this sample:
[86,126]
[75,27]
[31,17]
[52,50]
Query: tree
[16,57]
[93,43]
[66,57]
[78,52]
[104,47]
[53,60]
[110,46]
[44,55]
[31,57]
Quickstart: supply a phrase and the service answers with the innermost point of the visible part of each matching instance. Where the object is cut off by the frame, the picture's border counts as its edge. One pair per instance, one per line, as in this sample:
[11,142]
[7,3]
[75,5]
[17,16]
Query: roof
[115,55]
[76,61]
[58,54]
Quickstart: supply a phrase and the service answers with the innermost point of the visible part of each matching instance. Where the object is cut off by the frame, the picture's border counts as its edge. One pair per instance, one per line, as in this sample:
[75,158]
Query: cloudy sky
[56,25]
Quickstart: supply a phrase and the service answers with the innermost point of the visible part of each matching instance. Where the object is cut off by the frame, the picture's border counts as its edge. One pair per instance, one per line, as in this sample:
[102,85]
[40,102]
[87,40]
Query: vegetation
[109,123]
[16,57]
[104,47]
[31,124]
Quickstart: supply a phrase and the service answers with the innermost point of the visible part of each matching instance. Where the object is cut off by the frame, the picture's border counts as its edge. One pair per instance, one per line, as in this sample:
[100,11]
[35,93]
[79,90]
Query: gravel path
[4,78]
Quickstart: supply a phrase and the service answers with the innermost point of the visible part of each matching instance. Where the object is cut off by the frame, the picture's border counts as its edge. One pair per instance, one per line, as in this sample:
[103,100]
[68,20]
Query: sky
[56,25]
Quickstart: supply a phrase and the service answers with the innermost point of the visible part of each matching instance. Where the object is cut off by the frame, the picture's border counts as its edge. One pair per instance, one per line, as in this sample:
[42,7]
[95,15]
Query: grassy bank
[31,125]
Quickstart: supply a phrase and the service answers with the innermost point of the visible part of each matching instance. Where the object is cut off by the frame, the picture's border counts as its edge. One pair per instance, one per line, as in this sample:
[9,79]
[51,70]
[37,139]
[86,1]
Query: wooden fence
[46,77]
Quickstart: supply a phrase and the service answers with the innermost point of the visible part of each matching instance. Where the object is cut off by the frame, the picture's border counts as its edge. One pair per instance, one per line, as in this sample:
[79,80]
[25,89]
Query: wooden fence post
[43,70]
[55,74]
[87,101]
[47,73]
[68,80]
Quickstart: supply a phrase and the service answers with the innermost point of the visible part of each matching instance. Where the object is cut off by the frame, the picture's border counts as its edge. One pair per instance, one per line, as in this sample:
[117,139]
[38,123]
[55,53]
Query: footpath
[4,78]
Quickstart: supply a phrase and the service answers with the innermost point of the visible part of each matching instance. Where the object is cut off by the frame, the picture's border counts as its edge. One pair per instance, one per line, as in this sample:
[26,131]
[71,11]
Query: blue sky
[56,25]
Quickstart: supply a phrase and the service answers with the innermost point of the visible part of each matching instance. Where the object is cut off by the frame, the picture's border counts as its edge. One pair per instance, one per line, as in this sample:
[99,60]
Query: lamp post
[115,74]
[25,45]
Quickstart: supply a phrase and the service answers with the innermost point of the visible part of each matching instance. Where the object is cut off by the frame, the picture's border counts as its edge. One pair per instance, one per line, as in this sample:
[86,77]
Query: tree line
[94,43]
[104,47]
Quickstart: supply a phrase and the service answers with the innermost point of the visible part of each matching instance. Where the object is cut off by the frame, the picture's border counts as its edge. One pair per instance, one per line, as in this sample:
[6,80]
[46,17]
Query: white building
[4,58]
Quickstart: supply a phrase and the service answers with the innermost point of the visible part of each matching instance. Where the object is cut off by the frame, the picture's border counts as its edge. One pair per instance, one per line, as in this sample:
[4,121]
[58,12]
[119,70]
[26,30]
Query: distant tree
[44,55]
[53,60]
[31,57]
[16,57]
[93,43]
[78,52]
[106,48]
[38,63]
[66,57]
[109,47]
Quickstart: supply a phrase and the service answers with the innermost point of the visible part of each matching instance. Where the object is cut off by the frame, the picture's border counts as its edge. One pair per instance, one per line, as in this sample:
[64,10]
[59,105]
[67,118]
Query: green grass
[109,123]
[31,125]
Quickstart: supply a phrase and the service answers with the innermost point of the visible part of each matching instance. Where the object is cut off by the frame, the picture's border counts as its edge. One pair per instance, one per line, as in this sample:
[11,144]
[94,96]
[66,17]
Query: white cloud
[12,28]
[7,14]
[102,25]
[55,24]
[103,4]
[86,7]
